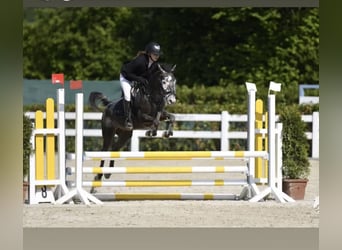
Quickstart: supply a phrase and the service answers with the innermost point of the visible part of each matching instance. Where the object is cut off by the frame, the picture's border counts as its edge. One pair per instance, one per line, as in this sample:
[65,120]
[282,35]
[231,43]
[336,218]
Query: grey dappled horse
[148,109]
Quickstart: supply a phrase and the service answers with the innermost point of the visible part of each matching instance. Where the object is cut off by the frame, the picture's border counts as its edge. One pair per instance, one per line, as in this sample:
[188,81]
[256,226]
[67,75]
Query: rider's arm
[134,69]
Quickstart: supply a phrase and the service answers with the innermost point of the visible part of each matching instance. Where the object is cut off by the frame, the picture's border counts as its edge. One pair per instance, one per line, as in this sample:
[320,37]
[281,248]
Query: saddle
[139,91]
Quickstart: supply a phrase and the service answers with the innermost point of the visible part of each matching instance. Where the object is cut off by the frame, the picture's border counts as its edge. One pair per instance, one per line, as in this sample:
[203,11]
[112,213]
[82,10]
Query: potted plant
[27,149]
[296,165]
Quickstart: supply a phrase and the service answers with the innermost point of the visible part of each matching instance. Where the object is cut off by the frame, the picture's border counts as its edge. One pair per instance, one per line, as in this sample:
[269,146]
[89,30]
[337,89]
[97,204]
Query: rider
[136,70]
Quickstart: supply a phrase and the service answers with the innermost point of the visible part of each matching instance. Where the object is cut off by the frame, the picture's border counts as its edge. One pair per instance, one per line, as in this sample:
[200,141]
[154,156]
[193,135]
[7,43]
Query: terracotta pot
[295,188]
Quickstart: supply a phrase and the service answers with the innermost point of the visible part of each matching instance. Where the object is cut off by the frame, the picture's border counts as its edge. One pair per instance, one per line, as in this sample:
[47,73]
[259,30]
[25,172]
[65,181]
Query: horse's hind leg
[108,138]
[123,137]
[108,135]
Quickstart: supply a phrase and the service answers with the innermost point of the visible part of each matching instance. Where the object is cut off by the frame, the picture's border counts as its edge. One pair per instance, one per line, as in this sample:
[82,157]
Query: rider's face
[154,57]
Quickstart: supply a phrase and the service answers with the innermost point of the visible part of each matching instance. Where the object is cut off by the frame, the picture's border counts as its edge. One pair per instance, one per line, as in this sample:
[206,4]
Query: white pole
[174,155]
[315,135]
[279,156]
[251,136]
[224,131]
[251,129]
[271,141]
[79,139]
[135,141]
[61,140]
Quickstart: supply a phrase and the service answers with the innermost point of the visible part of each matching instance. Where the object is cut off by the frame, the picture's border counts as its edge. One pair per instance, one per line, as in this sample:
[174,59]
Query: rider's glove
[143,81]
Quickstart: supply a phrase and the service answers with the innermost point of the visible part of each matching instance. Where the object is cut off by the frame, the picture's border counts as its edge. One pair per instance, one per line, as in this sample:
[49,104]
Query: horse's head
[168,82]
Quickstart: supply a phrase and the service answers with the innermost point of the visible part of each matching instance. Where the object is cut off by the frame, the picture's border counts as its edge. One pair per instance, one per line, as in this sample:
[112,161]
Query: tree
[211,46]
[80,42]
[232,45]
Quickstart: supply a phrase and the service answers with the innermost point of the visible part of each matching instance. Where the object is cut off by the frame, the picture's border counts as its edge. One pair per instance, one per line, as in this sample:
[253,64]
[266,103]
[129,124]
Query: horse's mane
[155,69]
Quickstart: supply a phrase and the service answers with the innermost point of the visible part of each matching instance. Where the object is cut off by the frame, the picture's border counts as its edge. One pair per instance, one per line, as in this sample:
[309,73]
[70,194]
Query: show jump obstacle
[43,169]
[46,187]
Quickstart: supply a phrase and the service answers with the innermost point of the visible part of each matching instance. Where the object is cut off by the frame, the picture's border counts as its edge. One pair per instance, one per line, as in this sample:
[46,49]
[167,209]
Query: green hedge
[27,147]
[295,144]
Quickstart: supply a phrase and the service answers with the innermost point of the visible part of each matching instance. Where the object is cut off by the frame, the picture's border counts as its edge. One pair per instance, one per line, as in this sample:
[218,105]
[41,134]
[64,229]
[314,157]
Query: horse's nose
[171,99]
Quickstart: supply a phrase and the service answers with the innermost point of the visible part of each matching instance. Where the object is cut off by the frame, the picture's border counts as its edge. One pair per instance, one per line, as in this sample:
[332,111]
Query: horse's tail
[95,98]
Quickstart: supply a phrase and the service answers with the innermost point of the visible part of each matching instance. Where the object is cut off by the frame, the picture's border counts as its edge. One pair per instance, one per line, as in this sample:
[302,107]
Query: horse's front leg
[155,124]
[169,119]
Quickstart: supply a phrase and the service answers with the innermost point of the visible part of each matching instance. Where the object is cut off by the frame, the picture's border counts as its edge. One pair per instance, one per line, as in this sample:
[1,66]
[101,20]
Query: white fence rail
[224,134]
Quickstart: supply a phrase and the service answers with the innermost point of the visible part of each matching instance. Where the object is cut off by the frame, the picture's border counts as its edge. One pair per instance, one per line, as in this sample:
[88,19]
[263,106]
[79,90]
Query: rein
[154,91]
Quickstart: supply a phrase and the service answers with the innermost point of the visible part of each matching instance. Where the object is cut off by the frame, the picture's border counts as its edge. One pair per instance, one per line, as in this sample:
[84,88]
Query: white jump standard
[272,188]
[79,191]
[41,179]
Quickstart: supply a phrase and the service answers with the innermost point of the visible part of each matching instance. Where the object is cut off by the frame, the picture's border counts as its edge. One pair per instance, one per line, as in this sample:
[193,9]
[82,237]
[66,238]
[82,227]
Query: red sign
[57,78]
[76,84]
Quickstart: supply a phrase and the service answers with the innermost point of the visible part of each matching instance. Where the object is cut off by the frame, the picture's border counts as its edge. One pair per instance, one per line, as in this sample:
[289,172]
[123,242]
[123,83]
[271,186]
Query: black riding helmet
[153,48]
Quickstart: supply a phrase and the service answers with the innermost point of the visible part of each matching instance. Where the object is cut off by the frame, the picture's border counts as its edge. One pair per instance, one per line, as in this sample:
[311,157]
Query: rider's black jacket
[137,68]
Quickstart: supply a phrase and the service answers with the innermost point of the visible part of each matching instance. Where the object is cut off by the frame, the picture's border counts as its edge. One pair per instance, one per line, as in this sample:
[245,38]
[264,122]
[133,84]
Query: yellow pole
[50,139]
[258,137]
[39,154]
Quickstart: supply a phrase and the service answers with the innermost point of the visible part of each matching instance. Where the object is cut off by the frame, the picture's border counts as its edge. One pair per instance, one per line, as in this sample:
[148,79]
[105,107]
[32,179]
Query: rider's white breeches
[126,88]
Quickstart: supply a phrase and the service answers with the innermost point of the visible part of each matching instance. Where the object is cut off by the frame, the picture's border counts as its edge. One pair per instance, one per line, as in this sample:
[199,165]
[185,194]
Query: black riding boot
[127,113]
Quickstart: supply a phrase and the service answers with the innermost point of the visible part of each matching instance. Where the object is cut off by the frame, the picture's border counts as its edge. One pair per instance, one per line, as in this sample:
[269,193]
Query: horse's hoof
[154,133]
[148,133]
[76,200]
[167,134]
[107,176]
